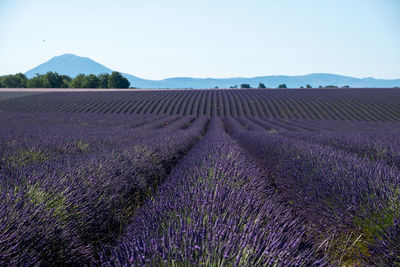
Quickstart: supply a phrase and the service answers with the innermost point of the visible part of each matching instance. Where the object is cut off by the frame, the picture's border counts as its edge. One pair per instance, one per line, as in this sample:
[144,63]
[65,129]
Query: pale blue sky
[156,39]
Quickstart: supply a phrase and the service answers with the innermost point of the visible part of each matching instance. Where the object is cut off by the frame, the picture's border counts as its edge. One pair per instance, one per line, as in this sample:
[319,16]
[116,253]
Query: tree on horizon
[55,80]
[116,80]
[13,81]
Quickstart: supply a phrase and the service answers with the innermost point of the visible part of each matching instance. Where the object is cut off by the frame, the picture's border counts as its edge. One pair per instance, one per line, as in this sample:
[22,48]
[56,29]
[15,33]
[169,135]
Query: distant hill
[72,65]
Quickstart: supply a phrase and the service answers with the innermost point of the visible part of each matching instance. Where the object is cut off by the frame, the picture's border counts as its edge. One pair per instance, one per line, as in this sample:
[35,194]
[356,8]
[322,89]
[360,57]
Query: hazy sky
[156,39]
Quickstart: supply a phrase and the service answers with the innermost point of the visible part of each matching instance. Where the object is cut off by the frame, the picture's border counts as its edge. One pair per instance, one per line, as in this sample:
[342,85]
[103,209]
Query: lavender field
[379,105]
[201,178]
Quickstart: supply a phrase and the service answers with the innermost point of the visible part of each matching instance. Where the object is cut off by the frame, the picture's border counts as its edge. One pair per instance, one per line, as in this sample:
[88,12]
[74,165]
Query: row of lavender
[345,183]
[216,209]
[372,141]
[69,184]
[295,202]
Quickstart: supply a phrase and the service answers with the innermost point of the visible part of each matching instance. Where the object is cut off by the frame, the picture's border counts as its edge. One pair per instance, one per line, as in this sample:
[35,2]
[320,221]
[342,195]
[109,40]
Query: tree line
[55,80]
[281,86]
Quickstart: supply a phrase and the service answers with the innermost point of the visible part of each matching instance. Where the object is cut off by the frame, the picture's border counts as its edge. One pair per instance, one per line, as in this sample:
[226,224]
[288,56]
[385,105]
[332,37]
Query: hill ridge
[73,65]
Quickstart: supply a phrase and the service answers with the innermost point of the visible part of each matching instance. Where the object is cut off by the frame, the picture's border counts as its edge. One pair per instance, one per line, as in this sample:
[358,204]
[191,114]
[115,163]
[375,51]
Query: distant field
[324,104]
[11,95]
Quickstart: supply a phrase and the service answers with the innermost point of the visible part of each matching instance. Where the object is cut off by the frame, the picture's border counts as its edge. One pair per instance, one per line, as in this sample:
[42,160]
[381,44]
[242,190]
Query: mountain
[72,65]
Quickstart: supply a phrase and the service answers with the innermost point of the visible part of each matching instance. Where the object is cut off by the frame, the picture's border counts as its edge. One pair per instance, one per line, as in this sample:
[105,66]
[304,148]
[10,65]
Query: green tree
[53,80]
[14,81]
[36,82]
[282,86]
[78,81]
[261,86]
[66,81]
[245,85]
[308,86]
[90,81]
[116,80]
[103,80]
[49,80]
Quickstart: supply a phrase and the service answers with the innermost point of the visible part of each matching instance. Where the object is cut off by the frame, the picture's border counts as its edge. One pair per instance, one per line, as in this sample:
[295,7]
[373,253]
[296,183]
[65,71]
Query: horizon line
[208,77]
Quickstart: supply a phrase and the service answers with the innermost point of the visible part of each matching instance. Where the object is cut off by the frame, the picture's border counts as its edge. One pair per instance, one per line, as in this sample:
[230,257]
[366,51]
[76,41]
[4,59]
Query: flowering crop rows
[319,104]
[347,186]
[70,184]
[150,190]
[216,208]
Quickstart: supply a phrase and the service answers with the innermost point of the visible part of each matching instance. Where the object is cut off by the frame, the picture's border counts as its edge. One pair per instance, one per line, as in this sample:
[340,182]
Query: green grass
[25,157]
